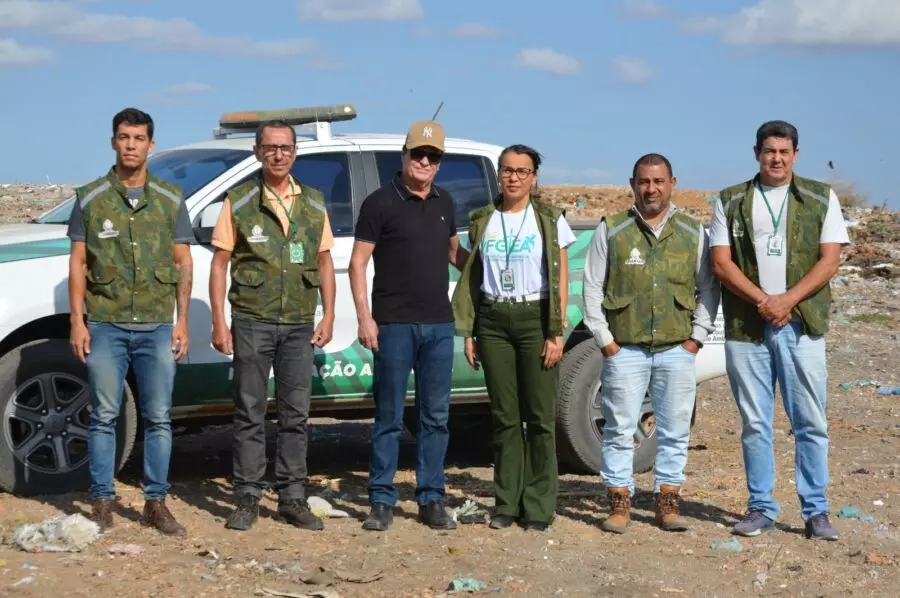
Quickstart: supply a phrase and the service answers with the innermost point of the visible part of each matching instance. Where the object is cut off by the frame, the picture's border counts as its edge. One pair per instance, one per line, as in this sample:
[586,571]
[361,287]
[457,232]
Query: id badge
[507,280]
[775,245]
[298,255]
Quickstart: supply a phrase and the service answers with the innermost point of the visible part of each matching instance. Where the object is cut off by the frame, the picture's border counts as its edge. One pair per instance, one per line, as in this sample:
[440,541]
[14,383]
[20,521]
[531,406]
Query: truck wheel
[580,419]
[45,405]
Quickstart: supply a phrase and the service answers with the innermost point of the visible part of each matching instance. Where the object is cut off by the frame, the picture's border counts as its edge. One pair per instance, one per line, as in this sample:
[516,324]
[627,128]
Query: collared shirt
[411,255]
[596,268]
[225,233]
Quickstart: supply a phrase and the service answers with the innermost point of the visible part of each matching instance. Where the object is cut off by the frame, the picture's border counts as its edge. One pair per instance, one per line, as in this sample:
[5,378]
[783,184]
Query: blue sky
[592,85]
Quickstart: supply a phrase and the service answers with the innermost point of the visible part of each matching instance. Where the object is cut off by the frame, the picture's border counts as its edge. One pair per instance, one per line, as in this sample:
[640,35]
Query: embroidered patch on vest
[109,230]
[737,229]
[635,259]
[256,235]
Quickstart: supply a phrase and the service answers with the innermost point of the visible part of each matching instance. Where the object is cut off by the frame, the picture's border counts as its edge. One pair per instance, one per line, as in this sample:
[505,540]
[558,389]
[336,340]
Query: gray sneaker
[754,524]
[819,528]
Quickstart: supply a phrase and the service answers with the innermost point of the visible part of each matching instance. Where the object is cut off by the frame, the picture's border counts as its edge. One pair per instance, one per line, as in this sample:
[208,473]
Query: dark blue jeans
[150,355]
[426,349]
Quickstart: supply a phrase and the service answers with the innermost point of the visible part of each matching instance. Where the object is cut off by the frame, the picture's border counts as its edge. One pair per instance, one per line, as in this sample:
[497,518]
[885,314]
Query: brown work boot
[619,510]
[157,515]
[667,516]
[101,513]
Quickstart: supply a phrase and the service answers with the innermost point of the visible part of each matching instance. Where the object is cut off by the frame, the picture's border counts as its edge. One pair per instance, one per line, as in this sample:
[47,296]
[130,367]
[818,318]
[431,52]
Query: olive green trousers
[511,338]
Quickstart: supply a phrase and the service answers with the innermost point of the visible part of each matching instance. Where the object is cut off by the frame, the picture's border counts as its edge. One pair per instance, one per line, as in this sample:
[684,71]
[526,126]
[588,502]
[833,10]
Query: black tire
[579,420]
[45,405]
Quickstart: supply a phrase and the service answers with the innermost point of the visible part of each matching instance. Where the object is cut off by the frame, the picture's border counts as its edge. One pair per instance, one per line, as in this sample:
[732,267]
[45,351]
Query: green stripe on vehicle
[30,250]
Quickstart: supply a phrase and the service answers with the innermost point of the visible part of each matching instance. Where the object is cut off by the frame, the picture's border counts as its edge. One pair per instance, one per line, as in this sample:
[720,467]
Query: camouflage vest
[265,285]
[131,271]
[806,209]
[651,288]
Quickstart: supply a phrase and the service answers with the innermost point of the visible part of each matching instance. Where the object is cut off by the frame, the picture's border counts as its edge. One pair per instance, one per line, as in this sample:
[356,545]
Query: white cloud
[545,59]
[360,10]
[644,9]
[68,22]
[633,71]
[474,30]
[807,23]
[178,93]
[12,54]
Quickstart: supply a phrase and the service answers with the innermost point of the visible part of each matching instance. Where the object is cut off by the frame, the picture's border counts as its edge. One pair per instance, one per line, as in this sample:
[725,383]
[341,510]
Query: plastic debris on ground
[895,390]
[24,581]
[469,512]
[322,508]
[732,545]
[466,584]
[849,512]
[860,384]
[61,533]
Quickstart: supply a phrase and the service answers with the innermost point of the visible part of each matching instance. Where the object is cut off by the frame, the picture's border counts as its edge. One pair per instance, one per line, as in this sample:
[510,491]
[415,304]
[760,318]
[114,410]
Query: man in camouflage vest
[274,232]
[130,266]
[650,301]
[776,242]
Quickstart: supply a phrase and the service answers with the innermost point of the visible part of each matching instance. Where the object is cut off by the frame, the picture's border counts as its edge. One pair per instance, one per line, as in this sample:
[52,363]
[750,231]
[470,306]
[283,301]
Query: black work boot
[296,512]
[245,513]
[435,516]
[380,518]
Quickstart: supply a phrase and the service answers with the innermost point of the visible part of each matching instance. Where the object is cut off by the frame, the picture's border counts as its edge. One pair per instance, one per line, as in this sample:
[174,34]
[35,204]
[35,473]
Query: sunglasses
[434,156]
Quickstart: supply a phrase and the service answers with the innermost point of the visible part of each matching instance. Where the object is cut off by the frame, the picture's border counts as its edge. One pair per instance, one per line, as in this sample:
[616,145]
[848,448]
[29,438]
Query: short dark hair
[777,128]
[133,117]
[274,124]
[518,148]
[651,160]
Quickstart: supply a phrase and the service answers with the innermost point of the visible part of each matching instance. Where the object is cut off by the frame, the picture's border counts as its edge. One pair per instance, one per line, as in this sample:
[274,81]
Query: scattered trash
[861,471]
[848,350]
[889,391]
[579,204]
[24,581]
[320,576]
[840,281]
[465,584]
[358,577]
[125,549]
[28,566]
[209,553]
[98,574]
[854,513]
[854,297]
[286,594]
[732,545]
[57,534]
[877,559]
[760,581]
[878,503]
[860,384]
[322,508]
[469,512]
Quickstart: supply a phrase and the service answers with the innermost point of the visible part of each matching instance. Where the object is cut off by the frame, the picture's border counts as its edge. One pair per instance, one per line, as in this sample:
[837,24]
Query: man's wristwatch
[696,342]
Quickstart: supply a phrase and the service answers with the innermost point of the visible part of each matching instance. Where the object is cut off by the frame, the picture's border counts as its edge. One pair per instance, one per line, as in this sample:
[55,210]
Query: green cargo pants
[511,338]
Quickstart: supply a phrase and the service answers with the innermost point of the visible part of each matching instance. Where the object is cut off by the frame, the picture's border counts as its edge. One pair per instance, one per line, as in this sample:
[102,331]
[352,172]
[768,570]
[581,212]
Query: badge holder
[775,245]
[507,280]
[297,253]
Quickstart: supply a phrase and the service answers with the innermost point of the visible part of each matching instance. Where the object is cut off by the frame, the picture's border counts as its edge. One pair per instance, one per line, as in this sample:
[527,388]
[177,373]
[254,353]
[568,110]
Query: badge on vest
[737,229]
[775,245]
[635,259]
[109,230]
[297,252]
[256,235]
[507,280]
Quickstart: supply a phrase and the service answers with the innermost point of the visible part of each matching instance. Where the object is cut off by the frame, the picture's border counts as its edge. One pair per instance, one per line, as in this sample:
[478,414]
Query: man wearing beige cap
[407,227]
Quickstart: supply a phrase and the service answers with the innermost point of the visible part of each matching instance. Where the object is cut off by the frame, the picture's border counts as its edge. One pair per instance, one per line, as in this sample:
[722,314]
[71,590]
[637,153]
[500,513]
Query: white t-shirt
[773,268]
[526,252]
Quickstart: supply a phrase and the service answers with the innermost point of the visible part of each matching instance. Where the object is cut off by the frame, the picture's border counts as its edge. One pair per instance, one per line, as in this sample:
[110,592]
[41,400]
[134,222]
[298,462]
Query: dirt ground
[573,558]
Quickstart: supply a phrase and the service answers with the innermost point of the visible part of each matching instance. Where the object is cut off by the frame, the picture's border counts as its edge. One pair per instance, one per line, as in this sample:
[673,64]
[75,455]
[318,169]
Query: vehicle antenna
[441,105]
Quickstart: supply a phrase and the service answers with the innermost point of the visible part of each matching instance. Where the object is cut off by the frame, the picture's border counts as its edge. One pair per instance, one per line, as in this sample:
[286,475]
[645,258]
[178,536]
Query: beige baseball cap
[425,133]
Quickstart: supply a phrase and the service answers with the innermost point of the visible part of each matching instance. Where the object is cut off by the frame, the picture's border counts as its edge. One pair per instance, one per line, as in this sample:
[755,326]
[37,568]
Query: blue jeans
[150,355]
[797,362]
[671,379]
[428,350]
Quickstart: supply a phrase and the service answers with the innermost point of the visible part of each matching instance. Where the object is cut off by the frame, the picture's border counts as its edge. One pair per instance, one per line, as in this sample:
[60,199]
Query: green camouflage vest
[807,206]
[651,290]
[468,287]
[265,285]
[131,271]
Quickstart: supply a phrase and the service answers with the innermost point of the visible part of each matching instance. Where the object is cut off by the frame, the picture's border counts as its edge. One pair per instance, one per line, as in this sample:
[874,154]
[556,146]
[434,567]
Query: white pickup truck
[44,401]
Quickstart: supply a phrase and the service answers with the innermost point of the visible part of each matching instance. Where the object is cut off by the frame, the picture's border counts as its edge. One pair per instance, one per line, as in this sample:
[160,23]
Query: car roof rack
[247,122]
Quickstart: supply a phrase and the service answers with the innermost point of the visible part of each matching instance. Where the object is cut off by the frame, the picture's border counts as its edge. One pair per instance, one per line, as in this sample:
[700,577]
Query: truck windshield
[190,169]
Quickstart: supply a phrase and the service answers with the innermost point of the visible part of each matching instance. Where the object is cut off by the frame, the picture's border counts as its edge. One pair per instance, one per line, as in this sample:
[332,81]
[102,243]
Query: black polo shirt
[411,237]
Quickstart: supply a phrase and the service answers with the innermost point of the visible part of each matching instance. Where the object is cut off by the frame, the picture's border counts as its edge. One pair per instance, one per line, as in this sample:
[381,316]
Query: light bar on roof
[292,116]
